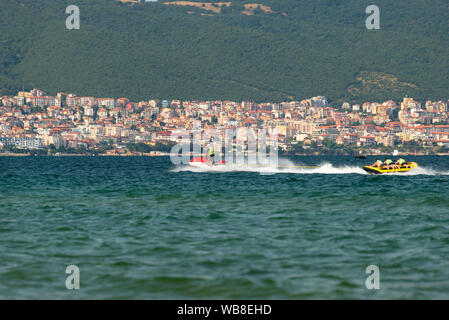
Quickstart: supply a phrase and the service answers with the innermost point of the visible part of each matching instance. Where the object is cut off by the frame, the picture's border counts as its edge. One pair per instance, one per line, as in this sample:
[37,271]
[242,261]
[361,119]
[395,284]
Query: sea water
[142,228]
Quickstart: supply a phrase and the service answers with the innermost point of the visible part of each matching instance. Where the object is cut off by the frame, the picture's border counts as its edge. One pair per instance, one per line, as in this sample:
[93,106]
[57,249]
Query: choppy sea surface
[143,228]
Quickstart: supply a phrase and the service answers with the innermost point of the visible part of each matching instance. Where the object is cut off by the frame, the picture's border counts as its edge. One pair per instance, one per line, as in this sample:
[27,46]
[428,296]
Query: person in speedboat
[387,164]
[377,164]
[401,163]
[211,151]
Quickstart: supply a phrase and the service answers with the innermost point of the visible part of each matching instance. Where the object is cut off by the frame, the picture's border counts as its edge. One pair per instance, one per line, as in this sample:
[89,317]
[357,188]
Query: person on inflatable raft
[389,165]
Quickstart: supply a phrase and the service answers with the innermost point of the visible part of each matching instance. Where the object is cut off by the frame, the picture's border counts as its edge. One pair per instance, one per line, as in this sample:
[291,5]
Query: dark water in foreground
[141,228]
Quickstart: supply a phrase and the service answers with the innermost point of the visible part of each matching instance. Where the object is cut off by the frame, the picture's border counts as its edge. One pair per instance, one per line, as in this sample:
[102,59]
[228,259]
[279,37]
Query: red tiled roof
[442,133]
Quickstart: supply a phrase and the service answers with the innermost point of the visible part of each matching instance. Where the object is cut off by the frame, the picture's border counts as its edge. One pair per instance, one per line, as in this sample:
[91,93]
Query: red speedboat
[204,162]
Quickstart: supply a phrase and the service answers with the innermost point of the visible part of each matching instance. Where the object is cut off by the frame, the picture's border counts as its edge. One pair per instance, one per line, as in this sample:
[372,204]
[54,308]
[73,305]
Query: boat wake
[287,167]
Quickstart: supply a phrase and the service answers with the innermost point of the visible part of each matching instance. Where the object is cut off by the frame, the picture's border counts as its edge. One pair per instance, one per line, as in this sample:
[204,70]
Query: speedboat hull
[201,162]
[380,170]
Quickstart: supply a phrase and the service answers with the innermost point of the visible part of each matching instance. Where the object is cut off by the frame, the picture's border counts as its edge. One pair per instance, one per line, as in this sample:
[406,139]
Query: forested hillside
[294,50]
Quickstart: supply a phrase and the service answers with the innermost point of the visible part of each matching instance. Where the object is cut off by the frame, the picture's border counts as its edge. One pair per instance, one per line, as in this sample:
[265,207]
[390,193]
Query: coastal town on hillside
[33,121]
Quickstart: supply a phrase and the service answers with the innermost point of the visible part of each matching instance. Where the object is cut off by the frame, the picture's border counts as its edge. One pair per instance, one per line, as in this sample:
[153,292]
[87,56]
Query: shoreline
[15,155]
[168,155]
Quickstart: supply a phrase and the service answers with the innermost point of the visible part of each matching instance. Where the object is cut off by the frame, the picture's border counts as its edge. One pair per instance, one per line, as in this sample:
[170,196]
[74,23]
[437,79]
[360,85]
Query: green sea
[143,228]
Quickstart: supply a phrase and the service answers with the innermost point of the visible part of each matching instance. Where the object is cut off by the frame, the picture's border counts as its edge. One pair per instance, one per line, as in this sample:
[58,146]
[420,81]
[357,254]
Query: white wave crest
[286,166]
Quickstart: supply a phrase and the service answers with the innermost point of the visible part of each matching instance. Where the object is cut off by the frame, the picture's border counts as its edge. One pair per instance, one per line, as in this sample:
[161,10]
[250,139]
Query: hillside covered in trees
[278,50]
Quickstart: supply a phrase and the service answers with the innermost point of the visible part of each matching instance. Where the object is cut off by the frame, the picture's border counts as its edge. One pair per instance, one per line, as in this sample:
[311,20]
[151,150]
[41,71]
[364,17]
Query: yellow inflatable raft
[391,168]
